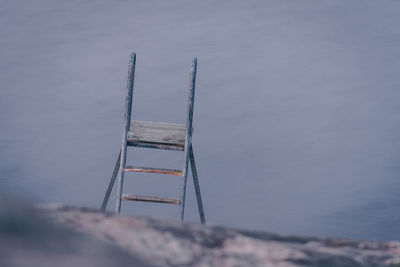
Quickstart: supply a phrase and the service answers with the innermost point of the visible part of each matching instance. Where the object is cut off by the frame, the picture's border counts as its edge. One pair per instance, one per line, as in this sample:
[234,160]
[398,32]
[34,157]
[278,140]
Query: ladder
[158,135]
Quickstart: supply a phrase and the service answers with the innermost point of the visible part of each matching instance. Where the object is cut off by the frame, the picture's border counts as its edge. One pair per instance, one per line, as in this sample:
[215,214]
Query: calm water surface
[296,115]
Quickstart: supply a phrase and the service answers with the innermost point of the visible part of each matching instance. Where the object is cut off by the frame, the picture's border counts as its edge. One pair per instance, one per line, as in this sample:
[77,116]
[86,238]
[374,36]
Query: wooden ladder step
[165,200]
[153,170]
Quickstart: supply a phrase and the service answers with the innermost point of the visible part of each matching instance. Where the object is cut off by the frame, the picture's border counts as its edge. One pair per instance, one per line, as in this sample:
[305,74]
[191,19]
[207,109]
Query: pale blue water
[296,115]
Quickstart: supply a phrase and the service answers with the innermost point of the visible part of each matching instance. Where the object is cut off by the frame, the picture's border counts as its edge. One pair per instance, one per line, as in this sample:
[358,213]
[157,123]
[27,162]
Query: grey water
[296,125]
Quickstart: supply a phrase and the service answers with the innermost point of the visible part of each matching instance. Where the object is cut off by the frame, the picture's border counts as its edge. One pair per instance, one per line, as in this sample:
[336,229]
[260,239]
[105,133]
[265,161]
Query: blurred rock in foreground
[165,243]
[65,236]
[28,238]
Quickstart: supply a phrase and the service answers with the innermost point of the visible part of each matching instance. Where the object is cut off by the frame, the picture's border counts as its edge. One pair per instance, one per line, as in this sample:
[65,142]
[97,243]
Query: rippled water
[296,113]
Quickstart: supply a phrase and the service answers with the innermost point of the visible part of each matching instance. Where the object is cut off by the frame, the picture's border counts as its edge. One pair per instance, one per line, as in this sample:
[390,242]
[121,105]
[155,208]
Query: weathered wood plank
[137,129]
[156,139]
[158,125]
[164,200]
[153,170]
[159,133]
[157,136]
[155,145]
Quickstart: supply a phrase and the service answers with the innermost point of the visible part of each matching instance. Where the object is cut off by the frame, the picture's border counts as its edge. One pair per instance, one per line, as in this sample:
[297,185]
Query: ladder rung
[165,200]
[153,170]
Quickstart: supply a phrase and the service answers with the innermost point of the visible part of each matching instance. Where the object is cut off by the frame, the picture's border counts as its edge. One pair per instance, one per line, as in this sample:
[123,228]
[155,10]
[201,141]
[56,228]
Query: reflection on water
[296,113]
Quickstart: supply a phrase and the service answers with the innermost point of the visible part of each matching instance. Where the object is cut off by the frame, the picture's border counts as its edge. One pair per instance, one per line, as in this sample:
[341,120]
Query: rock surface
[164,243]
[28,238]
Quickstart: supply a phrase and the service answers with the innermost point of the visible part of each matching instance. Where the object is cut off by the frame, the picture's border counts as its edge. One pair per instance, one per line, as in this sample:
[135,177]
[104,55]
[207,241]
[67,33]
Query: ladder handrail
[127,120]
[188,141]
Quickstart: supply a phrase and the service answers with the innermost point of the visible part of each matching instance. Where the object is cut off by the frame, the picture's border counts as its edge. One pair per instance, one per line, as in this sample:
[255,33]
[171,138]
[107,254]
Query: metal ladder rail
[127,123]
[188,139]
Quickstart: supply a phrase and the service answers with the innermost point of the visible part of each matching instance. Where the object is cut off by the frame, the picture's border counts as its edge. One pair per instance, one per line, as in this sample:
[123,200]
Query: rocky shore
[67,236]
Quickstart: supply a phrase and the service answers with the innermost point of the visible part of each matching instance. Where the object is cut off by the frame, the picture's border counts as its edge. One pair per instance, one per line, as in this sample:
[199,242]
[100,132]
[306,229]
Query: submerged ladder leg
[111,184]
[183,185]
[127,120]
[196,185]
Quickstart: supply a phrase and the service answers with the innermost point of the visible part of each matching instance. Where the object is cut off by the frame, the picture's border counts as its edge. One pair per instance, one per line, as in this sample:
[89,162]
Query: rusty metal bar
[164,200]
[153,170]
